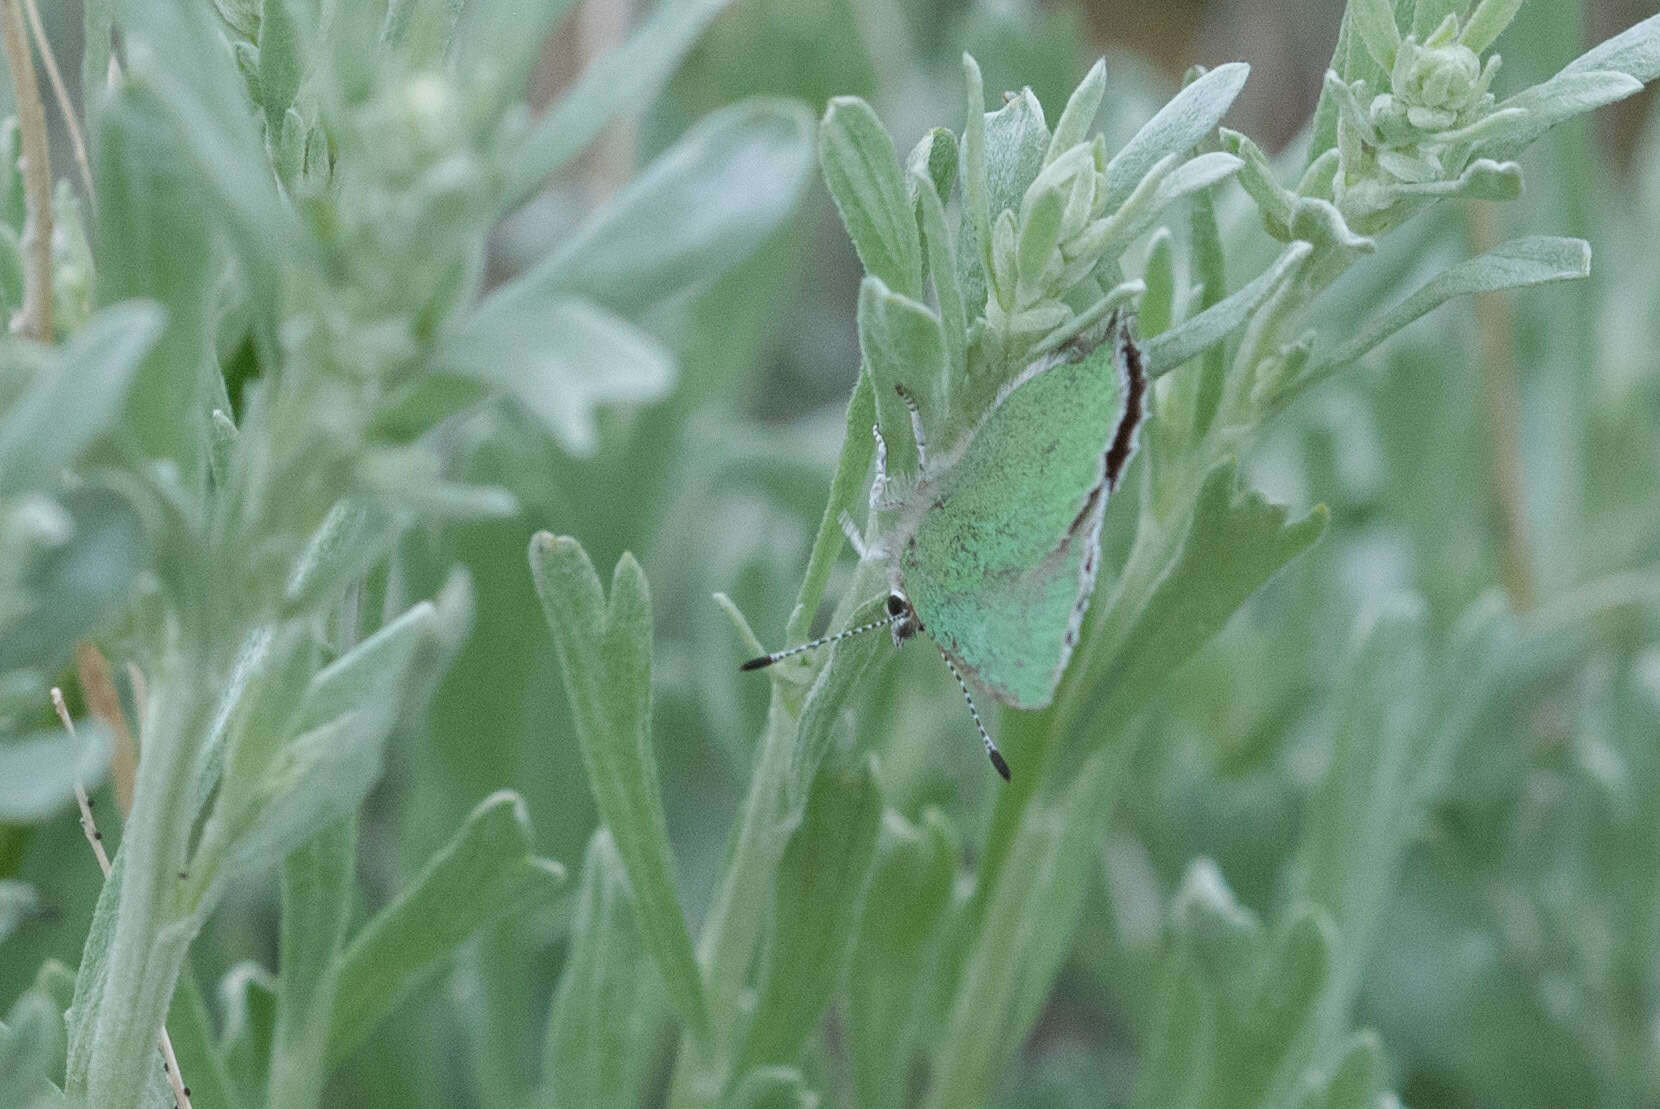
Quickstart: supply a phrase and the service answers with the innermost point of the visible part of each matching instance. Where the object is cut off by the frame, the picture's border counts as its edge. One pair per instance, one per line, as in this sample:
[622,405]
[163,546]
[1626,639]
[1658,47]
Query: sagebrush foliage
[287,394]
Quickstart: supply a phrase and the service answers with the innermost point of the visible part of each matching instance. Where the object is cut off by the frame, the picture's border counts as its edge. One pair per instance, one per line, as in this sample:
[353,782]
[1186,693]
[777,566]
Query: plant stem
[34,321]
[1504,438]
[150,935]
[181,1092]
[66,108]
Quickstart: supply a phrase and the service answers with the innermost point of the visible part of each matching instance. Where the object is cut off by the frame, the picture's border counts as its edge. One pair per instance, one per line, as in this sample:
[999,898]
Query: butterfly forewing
[1003,554]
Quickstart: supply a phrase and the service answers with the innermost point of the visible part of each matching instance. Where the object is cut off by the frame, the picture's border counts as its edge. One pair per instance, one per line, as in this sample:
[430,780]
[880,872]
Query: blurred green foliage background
[1510,898]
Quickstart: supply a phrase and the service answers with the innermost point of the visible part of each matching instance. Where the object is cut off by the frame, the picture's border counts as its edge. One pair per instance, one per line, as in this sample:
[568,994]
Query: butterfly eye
[897,604]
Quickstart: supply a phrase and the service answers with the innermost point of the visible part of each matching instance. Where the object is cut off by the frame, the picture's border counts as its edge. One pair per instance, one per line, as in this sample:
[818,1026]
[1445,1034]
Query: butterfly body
[996,548]
[992,549]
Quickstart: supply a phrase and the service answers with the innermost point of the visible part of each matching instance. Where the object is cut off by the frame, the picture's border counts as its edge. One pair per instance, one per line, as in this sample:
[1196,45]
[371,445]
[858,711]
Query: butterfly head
[905,622]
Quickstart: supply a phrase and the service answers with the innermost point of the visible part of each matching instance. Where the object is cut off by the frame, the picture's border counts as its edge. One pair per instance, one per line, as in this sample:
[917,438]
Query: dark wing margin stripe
[1135,399]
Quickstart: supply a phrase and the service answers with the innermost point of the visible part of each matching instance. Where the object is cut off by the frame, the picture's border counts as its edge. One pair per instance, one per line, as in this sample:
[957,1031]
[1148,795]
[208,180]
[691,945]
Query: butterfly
[992,548]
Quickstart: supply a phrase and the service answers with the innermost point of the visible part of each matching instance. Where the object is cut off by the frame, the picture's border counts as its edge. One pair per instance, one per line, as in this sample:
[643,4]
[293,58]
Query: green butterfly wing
[1003,556]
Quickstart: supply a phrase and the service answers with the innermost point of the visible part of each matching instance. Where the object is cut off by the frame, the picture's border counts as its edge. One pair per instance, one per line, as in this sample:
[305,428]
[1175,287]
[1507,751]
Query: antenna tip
[1002,767]
[757,663]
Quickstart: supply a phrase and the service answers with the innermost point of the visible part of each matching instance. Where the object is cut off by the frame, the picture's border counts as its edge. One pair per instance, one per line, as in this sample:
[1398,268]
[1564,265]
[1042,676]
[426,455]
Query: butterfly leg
[855,538]
[916,427]
[880,486]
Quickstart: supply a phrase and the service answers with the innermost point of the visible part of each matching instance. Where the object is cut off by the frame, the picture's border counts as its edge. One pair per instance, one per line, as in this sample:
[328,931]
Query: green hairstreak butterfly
[992,548]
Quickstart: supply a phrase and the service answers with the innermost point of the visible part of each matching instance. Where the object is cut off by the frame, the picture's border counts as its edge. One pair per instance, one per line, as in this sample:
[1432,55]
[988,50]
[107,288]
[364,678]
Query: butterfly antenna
[992,752]
[768,660]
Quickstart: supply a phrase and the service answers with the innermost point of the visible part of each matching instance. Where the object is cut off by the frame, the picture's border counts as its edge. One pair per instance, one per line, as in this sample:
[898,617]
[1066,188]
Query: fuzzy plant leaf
[774,1087]
[329,752]
[622,82]
[93,548]
[74,395]
[1233,1002]
[1220,553]
[821,886]
[910,891]
[488,871]
[150,226]
[903,347]
[317,905]
[699,208]
[861,168]
[1517,264]
[600,1032]
[604,651]
[560,358]
[1198,334]
[191,1026]
[281,66]
[177,53]
[32,1043]
[1191,116]
[38,772]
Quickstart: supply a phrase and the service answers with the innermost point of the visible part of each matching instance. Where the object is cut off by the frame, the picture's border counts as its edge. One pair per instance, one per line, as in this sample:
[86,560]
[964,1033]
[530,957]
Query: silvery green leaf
[181,58]
[353,536]
[561,358]
[31,1044]
[317,903]
[861,168]
[18,901]
[280,65]
[903,345]
[487,871]
[600,1031]
[1036,257]
[1488,22]
[338,732]
[1011,143]
[1137,218]
[195,1041]
[1191,116]
[622,82]
[74,395]
[1017,137]
[909,894]
[1634,51]
[1158,303]
[1320,223]
[1015,956]
[1194,336]
[248,999]
[934,158]
[76,581]
[1483,179]
[698,209]
[1374,22]
[942,269]
[820,895]
[1079,115]
[1516,264]
[1356,1082]
[38,772]
[1257,178]
[604,651]
[976,200]
[1570,93]
[773,1087]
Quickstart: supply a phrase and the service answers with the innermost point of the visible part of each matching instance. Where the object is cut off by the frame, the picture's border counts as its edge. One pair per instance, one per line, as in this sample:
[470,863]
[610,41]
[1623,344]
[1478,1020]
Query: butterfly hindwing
[1003,554]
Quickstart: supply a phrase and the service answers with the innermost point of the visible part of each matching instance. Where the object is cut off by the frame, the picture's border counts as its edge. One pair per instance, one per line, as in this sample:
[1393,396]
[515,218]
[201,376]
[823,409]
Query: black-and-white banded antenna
[887,621]
[992,752]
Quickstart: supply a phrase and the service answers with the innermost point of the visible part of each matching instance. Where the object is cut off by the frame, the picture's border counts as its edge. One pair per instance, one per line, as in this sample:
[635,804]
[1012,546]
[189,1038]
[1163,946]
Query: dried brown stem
[66,108]
[105,704]
[34,321]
